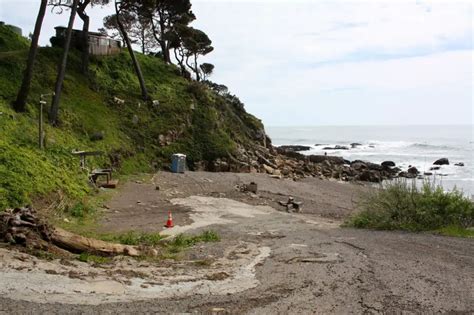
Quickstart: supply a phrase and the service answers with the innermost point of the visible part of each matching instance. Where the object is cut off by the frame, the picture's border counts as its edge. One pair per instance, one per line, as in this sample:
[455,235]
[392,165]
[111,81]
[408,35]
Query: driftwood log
[22,226]
[79,244]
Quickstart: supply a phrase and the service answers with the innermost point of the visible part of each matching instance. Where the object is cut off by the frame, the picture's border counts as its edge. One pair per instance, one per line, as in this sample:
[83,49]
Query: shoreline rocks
[337,147]
[442,161]
[294,148]
[286,162]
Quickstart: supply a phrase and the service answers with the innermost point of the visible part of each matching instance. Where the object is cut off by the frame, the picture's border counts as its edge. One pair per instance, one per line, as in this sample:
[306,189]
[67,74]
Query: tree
[137,27]
[164,15]
[196,44]
[81,11]
[190,43]
[20,103]
[54,110]
[206,69]
[121,27]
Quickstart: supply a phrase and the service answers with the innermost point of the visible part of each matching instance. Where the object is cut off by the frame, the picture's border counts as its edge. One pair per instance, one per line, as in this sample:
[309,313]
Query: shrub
[404,206]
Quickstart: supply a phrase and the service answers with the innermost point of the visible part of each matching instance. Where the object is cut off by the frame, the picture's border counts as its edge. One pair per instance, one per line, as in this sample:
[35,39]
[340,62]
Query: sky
[328,62]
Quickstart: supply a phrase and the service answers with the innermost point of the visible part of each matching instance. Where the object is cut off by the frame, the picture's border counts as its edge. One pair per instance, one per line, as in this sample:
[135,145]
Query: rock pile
[286,163]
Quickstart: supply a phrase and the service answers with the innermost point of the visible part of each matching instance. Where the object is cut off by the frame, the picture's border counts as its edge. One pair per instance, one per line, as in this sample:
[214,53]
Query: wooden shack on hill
[99,44]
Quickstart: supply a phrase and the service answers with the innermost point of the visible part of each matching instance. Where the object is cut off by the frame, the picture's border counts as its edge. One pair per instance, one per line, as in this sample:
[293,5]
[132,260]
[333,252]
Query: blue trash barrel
[178,163]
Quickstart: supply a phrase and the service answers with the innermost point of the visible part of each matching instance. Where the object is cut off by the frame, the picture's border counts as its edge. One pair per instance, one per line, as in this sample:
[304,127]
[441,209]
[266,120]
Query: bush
[404,206]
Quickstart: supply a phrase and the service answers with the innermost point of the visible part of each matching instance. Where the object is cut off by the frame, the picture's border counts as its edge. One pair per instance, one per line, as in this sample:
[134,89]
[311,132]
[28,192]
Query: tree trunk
[143,39]
[196,68]
[136,65]
[85,33]
[20,103]
[80,244]
[53,113]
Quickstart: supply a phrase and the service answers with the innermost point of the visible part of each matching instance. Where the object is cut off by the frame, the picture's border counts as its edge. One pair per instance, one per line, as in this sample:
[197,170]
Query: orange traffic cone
[169,223]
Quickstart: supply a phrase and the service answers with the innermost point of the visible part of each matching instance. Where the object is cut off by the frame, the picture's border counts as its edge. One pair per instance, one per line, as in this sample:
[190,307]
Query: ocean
[418,146]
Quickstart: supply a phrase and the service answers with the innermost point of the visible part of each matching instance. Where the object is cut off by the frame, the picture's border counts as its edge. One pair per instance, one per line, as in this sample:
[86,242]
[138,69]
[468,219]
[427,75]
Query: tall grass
[401,205]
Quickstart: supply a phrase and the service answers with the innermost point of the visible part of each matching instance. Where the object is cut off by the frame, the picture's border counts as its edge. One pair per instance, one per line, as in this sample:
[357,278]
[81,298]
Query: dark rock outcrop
[388,164]
[337,147]
[443,161]
[459,164]
[294,148]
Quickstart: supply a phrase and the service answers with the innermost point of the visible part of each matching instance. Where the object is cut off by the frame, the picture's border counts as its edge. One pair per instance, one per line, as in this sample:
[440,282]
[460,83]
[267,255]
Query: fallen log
[21,226]
[79,244]
[264,160]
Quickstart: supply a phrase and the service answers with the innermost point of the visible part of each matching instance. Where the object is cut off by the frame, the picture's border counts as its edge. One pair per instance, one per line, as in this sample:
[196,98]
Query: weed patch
[404,206]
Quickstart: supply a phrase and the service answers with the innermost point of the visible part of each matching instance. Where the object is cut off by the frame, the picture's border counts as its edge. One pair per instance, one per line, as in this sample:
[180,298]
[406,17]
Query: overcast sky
[329,62]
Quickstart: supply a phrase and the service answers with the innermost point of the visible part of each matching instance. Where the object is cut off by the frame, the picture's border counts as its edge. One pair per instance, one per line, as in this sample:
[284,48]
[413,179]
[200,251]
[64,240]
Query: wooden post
[40,120]
[40,124]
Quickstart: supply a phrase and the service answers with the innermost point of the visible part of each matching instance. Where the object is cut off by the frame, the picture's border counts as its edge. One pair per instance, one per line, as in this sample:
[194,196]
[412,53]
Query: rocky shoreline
[287,162]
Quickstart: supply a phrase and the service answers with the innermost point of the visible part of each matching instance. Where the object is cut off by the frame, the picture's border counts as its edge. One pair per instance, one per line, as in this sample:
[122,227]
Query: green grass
[401,205]
[90,258]
[182,241]
[456,231]
[211,130]
[134,238]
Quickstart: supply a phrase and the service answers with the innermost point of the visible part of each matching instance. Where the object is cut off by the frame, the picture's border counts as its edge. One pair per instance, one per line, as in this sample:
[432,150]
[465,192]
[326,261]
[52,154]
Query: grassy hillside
[138,136]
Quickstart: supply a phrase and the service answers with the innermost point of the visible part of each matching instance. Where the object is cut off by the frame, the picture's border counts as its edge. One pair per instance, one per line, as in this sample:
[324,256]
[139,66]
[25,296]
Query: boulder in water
[388,164]
[443,161]
[413,170]
[459,164]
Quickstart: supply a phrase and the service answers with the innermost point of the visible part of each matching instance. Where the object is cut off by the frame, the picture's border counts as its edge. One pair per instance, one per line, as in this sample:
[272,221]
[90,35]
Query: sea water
[417,146]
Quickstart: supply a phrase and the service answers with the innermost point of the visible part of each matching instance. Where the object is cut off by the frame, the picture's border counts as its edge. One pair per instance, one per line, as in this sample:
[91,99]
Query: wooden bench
[96,173]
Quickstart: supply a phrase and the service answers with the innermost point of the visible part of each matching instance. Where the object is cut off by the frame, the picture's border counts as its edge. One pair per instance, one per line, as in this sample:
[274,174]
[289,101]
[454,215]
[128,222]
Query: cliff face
[103,111]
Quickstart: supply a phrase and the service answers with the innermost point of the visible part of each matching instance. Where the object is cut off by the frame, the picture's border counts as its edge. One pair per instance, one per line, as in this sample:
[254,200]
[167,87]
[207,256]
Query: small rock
[459,164]
[66,220]
[97,136]
[135,119]
[268,169]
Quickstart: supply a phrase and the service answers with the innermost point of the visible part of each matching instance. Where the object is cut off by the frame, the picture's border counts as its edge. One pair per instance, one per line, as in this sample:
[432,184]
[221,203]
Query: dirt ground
[267,262]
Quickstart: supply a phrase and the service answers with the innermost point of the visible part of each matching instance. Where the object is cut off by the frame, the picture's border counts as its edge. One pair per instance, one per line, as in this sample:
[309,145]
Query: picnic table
[96,173]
